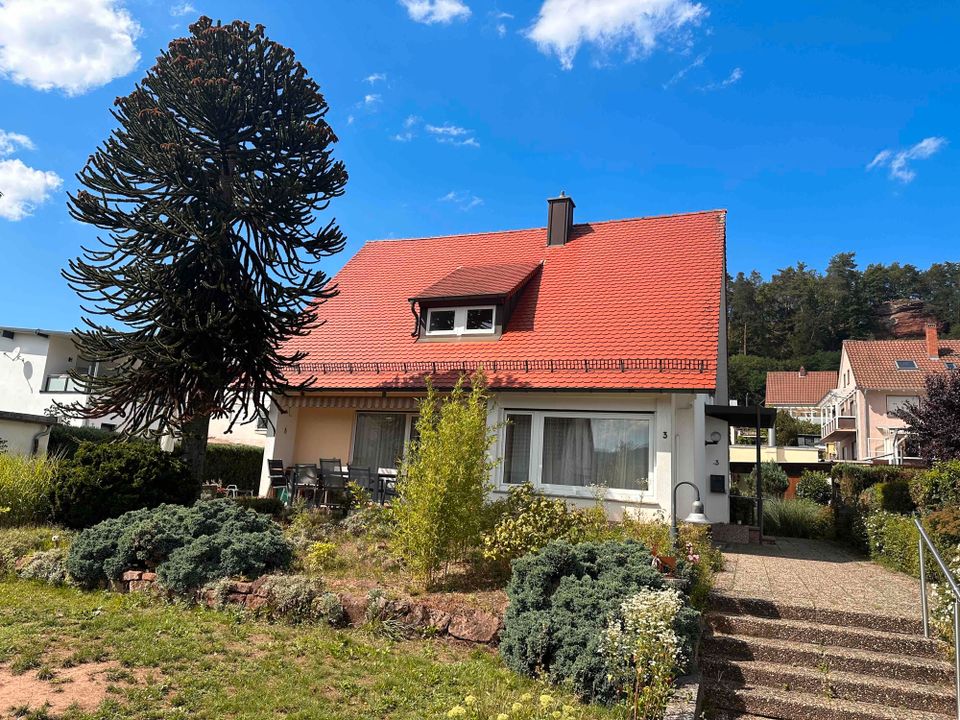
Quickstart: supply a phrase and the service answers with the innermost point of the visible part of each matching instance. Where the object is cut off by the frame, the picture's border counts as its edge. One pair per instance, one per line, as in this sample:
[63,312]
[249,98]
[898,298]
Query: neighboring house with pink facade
[877,377]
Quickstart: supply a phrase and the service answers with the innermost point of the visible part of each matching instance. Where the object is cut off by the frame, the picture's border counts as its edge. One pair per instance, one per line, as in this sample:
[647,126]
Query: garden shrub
[273,507]
[891,496]
[893,541]
[320,556]
[561,599]
[937,487]
[187,546]
[944,527]
[375,521]
[25,484]
[66,439]
[107,480]
[796,517]
[642,649]
[47,566]
[444,480]
[292,597]
[774,479]
[16,543]
[231,464]
[528,521]
[814,485]
[849,483]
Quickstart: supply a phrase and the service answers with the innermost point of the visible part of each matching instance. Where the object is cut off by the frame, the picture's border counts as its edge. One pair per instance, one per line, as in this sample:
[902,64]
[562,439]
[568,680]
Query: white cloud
[23,188]
[682,72]
[436,11]
[898,161]
[10,140]
[73,45]
[411,121]
[635,25]
[181,9]
[375,78]
[732,79]
[452,135]
[350,119]
[499,17]
[371,99]
[463,200]
[409,126]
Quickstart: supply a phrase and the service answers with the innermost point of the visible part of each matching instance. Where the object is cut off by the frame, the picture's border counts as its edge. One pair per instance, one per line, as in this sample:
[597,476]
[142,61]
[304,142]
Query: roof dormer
[470,303]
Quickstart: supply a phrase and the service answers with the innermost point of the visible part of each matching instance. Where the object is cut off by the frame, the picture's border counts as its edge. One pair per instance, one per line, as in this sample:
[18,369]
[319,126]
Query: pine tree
[207,191]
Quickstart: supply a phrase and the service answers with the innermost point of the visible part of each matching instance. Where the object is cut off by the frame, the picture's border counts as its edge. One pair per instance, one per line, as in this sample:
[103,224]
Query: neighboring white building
[35,370]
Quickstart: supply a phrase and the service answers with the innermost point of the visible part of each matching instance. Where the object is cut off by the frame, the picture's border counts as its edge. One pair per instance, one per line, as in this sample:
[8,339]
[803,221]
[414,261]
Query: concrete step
[832,635]
[930,671]
[732,715]
[886,691]
[734,605]
[790,705]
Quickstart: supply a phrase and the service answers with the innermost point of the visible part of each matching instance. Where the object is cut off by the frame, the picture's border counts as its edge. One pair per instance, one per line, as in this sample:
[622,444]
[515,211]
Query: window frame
[536,454]
[912,365]
[409,422]
[460,321]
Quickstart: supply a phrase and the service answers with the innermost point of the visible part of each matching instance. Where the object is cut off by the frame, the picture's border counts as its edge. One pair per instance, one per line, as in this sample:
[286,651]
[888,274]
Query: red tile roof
[480,281]
[645,291]
[790,388]
[873,362]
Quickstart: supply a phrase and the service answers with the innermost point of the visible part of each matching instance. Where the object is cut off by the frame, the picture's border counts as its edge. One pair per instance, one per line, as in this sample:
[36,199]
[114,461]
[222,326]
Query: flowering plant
[643,651]
[525,707]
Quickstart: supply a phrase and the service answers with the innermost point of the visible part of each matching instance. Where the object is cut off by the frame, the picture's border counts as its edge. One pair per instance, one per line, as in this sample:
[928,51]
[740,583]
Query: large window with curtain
[379,439]
[568,452]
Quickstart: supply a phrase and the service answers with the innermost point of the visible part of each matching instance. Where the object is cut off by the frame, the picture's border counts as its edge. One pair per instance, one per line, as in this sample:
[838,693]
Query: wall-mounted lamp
[714,438]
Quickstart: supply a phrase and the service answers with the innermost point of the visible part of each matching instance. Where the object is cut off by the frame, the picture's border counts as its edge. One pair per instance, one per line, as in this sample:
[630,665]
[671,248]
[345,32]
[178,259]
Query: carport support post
[759,479]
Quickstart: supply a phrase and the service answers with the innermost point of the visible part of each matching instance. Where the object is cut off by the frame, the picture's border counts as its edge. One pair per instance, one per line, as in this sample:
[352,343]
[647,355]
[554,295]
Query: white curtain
[378,442]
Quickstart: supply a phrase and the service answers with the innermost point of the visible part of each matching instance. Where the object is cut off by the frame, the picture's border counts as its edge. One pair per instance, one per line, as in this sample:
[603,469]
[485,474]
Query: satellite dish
[15,355]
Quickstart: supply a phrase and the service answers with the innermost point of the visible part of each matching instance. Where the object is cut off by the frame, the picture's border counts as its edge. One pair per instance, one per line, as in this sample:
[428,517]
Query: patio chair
[306,477]
[365,479]
[278,478]
[330,466]
[388,487]
[334,486]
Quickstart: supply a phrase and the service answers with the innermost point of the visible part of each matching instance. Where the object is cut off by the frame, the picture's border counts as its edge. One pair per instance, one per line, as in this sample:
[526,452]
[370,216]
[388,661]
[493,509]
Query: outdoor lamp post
[696,517]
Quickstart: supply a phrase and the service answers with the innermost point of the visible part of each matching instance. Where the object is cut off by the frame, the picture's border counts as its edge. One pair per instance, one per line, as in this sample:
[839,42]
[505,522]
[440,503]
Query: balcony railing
[840,425]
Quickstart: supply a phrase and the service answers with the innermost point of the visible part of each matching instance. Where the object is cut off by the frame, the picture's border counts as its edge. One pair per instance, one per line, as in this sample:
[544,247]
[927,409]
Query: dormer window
[461,321]
[906,364]
[472,303]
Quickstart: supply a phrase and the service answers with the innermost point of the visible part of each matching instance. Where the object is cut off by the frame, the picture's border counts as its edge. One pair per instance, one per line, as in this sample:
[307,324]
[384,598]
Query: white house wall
[19,436]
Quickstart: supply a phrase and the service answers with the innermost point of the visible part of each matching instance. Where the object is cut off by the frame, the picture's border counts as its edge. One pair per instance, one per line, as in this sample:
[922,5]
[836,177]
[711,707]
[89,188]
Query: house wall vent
[559,219]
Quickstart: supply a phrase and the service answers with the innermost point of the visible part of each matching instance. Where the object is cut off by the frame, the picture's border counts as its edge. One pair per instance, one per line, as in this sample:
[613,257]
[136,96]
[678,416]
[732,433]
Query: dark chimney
[559,219]
[933,342]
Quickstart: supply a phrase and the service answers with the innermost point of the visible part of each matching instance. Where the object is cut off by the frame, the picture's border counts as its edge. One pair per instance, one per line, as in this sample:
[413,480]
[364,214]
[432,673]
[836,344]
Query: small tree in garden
[935,420]
[208,192]
[444,480]
[773,479]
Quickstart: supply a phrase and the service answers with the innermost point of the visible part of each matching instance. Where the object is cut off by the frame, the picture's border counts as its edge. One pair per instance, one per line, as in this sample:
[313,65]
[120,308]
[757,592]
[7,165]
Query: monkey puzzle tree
[207,192]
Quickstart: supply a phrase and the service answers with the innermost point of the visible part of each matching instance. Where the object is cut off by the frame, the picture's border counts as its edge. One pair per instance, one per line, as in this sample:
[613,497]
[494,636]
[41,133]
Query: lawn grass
[188,662]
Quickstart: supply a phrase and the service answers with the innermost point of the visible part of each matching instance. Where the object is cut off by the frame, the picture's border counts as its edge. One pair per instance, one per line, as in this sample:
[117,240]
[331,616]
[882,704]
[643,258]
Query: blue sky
[820,126]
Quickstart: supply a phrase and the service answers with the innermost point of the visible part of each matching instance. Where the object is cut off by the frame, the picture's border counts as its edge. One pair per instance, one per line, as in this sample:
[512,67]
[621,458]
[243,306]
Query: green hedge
[891,496]
[238,465]
[106,480]
[937,487]
[849,483]
[66,439]
[893,541]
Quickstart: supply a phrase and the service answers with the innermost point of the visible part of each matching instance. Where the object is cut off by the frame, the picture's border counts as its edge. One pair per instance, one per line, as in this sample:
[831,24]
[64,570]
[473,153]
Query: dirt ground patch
[84,686]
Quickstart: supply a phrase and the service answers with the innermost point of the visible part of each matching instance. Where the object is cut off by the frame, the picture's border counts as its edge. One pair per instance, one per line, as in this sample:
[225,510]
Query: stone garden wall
[466,624]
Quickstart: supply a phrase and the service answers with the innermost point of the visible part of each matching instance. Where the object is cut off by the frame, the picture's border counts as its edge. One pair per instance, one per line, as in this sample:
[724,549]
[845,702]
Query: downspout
[35,446]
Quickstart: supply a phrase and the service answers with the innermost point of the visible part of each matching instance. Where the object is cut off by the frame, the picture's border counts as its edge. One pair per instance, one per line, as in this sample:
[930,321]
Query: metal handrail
[952,583]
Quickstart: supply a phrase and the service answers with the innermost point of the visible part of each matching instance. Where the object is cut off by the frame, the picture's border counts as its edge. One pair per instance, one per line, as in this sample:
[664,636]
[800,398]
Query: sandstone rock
[429,618]
[475,626]
[236,598]
[131,575]
[256,587]
[241,587]
[139,585]
[149,577]
[354,608]
[255,602]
